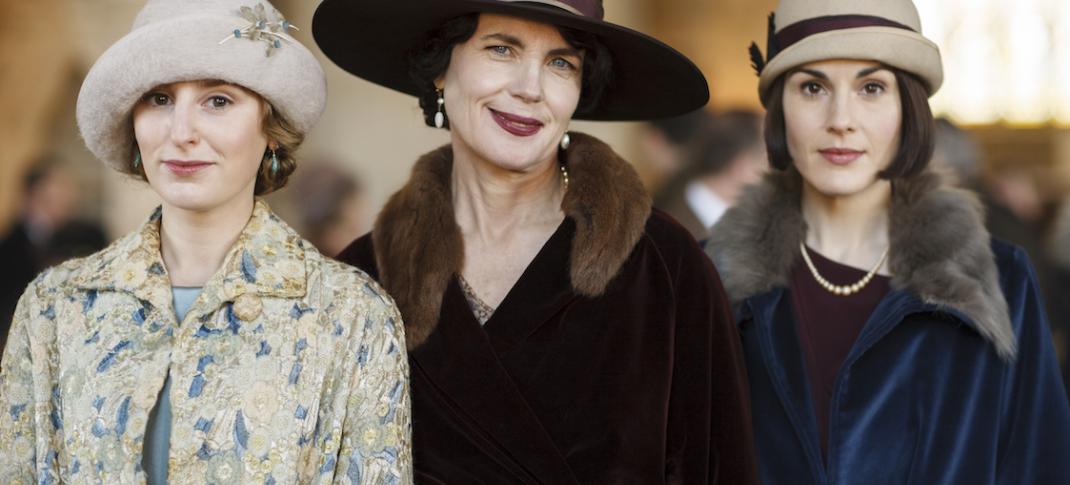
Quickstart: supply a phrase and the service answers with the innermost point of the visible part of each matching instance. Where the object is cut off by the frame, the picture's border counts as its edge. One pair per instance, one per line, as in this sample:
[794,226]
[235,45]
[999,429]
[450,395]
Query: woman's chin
[843,186]
[191,201]
[516,157]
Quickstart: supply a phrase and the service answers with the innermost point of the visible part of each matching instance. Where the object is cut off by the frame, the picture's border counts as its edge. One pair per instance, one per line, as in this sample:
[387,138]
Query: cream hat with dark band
[886,31]
[191,40]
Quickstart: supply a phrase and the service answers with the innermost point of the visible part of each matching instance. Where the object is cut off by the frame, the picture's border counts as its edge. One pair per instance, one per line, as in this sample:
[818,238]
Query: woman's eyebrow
[506,38]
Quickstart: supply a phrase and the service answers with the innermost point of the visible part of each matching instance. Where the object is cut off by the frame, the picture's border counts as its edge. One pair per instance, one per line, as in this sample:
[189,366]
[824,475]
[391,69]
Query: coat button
[247,307]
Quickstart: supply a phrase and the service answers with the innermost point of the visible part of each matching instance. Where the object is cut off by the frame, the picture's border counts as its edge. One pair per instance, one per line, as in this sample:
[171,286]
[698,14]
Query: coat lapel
[783,361]
[266,261]
[462,363]
[540,293]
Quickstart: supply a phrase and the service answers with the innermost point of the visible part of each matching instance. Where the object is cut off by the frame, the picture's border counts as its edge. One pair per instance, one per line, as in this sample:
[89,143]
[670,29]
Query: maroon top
[829,324]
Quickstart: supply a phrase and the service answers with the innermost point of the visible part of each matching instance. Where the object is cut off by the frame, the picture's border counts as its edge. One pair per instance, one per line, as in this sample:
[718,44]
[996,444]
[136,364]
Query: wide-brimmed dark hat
[372,38]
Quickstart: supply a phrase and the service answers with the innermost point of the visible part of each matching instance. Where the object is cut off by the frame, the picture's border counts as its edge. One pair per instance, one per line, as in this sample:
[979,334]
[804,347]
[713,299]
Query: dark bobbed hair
[431,59]
[916,129]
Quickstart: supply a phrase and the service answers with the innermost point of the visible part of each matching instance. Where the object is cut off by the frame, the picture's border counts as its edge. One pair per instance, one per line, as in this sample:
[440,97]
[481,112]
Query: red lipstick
[840,156]
[516,125]
[185,167]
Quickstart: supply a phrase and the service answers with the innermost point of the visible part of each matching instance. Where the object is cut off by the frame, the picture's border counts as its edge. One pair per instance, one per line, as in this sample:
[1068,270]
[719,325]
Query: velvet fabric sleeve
[1035,428]
[710,437]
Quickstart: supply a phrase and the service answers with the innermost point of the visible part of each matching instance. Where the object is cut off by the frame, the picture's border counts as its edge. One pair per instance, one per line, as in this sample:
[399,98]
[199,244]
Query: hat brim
[188,49]
[372,39]
[898,48]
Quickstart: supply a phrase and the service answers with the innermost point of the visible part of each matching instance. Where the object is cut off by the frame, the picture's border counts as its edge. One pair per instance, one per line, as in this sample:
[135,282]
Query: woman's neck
[494,204]
[194,244]
[851,230]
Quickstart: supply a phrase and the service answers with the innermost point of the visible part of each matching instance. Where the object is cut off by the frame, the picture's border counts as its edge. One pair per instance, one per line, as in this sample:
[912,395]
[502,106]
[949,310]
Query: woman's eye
[812,88]
[499,49]
[157,99]
[218,102]
[562,64]
[873,88]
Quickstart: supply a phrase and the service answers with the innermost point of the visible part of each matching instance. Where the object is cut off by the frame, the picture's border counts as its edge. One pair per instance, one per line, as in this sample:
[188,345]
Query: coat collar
[419,248]
[268,260]
[940,249]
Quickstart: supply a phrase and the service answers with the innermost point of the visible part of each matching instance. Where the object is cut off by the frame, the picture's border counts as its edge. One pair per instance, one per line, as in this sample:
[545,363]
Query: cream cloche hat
[886,31]
[244,42]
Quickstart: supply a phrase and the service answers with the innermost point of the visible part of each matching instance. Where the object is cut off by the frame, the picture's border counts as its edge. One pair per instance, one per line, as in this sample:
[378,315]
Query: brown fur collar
[418,245]
[940,250]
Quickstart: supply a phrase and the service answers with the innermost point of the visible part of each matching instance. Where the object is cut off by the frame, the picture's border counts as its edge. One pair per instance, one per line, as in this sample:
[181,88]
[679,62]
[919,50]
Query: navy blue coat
[944,385]
[921,398]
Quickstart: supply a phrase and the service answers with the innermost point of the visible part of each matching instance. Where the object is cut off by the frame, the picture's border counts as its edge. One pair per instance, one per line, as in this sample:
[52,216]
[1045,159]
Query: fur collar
[419,248]
[940,250]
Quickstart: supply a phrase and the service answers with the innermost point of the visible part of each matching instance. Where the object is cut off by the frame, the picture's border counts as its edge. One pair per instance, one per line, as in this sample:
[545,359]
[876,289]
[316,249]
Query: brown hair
[916,141]
[278,130]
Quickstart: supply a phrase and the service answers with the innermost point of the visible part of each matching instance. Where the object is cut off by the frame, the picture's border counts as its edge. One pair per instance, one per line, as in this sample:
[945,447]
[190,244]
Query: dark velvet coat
[614,358]
[953,379]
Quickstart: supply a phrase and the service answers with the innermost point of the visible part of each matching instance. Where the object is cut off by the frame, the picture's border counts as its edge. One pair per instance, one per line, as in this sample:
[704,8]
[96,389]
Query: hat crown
[162,10]
[586,8]
[904,12]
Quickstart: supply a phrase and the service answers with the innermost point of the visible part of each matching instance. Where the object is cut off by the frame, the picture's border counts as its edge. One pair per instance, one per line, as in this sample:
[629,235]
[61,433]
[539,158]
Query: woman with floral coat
[213,344]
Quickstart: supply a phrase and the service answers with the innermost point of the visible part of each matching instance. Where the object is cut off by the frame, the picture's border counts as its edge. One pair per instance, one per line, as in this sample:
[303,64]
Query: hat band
[583,8]
[798,31]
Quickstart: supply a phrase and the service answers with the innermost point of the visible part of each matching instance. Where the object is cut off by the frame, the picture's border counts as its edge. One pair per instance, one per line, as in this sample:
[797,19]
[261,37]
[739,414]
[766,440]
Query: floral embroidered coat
[289,368]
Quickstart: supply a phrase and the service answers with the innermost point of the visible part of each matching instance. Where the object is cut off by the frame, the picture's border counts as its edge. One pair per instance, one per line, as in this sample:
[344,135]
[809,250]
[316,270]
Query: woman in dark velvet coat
[560,330]
[888,338]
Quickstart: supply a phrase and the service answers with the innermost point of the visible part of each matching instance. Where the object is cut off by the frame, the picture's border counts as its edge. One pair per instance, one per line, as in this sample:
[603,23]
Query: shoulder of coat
[348,283]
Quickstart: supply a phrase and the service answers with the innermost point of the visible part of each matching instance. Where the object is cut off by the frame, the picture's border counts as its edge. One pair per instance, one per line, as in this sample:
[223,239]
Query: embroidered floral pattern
[289,368]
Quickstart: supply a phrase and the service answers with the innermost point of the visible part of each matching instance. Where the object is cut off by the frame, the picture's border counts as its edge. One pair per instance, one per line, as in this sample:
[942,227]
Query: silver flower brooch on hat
[261,28]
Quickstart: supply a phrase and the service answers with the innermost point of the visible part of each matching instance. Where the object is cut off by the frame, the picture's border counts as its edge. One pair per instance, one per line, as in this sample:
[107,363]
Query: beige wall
[34,65]
[716,35]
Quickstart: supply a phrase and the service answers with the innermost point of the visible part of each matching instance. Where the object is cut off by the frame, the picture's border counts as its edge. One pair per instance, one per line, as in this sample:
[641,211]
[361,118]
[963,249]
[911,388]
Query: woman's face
[842,119]
[201,142]
[510,91]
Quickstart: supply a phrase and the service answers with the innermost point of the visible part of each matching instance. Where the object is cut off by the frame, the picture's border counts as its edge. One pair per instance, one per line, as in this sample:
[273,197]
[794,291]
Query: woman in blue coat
[888,338]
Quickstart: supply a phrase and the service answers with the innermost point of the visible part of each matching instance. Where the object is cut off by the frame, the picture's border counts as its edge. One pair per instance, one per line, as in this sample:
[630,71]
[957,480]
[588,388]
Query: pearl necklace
[845,290]
[564,175]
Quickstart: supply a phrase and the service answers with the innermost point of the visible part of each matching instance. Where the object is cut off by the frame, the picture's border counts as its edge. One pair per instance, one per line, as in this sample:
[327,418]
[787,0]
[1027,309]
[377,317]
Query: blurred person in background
[330,207]
[213,344]
[726,155]
[888,337]
[664,146]
[44,234]
[561,330]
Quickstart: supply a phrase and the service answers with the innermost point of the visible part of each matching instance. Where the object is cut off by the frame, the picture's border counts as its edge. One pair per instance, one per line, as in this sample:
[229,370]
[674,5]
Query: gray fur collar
[419,248]
[940,250]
